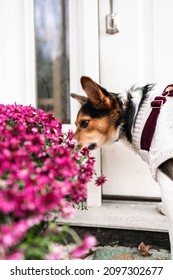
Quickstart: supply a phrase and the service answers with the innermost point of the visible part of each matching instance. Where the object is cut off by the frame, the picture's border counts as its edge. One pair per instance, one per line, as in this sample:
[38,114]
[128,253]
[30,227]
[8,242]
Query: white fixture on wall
[112,20]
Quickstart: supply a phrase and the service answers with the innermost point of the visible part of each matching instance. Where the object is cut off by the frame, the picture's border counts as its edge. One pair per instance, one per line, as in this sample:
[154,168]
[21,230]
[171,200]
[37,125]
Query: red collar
[150,125]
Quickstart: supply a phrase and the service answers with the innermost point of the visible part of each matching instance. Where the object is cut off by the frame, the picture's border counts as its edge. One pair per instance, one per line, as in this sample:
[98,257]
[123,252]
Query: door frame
[84,60]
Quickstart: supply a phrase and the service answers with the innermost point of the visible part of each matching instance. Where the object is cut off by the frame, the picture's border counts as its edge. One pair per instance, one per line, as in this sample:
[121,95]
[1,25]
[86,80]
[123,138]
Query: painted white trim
[94,197]
[30,53]
[84,45]
[84,60]
[17,52]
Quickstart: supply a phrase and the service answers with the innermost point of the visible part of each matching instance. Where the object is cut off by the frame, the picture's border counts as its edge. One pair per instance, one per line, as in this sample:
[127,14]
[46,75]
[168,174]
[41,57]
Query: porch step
[142,216]
[123,223]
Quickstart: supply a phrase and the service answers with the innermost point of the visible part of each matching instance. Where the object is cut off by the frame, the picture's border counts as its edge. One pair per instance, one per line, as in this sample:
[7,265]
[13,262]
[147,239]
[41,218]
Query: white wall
[17,52]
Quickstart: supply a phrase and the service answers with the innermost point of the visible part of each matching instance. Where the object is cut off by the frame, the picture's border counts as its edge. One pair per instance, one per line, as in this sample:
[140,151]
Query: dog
[141,118]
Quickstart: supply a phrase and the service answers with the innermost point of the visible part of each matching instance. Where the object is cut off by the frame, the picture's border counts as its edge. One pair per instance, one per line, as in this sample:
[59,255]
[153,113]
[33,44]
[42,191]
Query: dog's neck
[131,104]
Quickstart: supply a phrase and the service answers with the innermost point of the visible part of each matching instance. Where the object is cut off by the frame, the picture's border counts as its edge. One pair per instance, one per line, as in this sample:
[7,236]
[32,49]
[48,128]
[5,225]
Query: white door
[140,53]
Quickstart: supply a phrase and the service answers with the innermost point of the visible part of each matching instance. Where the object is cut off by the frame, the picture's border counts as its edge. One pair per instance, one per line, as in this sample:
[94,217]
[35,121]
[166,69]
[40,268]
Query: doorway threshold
[128,215]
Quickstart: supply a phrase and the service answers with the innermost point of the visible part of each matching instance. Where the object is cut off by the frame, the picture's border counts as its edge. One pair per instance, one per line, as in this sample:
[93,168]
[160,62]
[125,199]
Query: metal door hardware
[112,20]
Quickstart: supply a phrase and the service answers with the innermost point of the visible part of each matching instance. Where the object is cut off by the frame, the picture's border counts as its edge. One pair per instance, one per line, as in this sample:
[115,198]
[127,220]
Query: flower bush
[42,177]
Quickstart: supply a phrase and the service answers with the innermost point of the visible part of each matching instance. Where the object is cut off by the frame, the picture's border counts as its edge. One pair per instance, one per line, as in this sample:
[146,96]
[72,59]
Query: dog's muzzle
[90,147]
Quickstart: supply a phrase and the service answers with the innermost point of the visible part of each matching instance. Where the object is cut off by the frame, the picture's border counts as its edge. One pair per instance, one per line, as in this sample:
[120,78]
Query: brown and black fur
[102,116]
[99,117]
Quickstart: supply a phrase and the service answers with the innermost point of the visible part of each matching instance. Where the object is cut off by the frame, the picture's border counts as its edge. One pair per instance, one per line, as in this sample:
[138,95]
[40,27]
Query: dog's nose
[92,146]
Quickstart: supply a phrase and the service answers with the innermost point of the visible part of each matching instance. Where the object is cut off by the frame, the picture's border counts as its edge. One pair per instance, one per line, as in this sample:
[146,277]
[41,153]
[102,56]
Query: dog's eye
[84,123]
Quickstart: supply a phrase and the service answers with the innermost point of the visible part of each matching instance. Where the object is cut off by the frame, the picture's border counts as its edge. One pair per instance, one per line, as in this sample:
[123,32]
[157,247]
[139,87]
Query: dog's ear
[81,99]
[95,93]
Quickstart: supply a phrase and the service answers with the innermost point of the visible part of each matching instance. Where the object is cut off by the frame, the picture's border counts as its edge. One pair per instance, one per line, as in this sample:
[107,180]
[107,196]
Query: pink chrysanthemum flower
[100,181]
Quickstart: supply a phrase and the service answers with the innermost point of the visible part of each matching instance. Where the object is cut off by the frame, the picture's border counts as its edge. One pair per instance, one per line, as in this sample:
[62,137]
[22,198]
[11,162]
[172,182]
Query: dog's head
[99,119]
